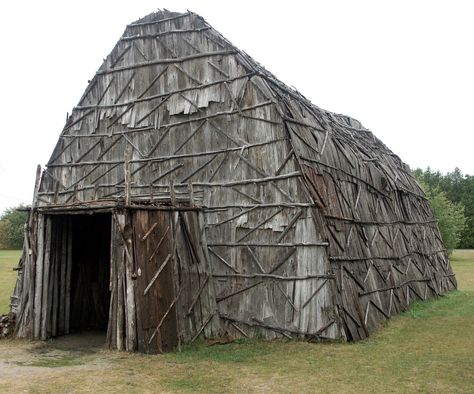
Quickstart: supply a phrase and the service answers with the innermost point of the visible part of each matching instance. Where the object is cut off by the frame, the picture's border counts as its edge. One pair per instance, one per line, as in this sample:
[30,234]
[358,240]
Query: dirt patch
[23,359]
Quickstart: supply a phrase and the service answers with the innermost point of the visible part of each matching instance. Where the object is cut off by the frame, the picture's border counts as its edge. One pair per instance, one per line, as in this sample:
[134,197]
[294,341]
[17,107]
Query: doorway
[90,272]
[76,274]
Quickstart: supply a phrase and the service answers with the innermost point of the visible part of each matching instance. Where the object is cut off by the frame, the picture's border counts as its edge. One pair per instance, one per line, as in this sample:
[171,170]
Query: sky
[405,69]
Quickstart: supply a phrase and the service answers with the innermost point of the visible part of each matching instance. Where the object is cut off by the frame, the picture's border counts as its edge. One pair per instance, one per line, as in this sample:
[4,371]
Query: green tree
[450,216]
[12,223]
[459,188]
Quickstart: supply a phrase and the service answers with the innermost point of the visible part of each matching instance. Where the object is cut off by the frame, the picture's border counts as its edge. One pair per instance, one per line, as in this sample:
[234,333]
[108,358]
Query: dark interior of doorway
[90,276]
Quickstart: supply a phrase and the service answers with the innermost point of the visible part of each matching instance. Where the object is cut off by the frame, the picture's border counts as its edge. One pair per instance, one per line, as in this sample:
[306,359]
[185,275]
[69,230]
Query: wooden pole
[39,279]
[46,296]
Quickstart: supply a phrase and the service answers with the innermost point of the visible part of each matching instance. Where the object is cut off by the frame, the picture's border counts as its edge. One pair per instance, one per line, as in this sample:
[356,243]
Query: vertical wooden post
[39,279]
[131,337]
[46,296]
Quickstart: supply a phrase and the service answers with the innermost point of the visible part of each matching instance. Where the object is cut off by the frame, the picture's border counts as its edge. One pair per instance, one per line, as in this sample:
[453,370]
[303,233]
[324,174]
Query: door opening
[90,273]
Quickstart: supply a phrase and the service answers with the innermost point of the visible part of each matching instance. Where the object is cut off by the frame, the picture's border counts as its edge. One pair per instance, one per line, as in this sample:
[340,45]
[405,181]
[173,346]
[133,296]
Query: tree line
[12,223]
[451,198]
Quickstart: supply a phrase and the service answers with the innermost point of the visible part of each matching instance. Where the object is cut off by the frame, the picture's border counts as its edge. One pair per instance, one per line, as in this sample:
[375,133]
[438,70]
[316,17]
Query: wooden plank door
[155,288]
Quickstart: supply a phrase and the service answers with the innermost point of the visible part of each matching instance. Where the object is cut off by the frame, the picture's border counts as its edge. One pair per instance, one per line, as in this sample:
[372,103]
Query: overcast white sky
[405,69]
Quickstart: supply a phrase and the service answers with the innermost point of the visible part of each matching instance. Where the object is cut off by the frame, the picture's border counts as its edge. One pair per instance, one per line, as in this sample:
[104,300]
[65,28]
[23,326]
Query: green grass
[429,348]
[8,261]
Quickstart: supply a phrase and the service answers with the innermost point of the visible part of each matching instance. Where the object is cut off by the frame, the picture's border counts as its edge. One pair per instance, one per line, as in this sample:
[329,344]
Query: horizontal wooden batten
[268,244]
[395,257]
[166,158]
[163,20]
[165,33]
[380,223]
[166,61]
[275,277]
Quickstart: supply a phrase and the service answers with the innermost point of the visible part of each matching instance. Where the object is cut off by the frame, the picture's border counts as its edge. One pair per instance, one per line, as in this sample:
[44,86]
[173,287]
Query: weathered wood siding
[286,220]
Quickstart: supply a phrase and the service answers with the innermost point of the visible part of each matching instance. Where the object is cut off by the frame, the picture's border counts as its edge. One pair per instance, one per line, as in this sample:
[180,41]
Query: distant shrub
[12,223]
[450,216]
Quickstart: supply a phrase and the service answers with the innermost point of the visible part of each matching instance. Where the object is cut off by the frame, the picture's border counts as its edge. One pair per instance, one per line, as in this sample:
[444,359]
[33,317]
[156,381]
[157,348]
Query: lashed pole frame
[263,165]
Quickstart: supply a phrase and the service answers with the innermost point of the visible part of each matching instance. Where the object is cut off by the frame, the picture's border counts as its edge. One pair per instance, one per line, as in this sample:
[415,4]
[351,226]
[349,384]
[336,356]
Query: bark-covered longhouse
[191,193]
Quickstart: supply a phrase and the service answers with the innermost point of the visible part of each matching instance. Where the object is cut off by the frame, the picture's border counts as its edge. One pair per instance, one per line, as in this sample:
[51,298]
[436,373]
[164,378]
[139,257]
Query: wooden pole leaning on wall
[26,303]
[131,333]
[126,308]
[46,293]
[39,279]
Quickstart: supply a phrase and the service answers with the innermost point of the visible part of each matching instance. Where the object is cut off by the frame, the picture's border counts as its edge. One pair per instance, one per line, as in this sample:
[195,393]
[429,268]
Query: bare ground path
[23,359]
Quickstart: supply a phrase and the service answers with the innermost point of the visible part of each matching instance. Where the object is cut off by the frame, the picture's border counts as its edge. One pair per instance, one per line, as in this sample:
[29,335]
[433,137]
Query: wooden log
[274,277]
[155,277]
[266,220]
[166,61]
[39,278]
[46,295]
[290,225]
[202,328]
[268,244]
[131,329]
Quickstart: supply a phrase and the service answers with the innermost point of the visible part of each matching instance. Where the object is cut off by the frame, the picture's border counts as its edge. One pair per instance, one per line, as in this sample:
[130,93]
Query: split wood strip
[172,169]
[150,85]
[234,293]
[159,21]
[120,56]
[164,33]
[316,291]
[197,295]
[280,330]
[266,220]
[285,161]
[268,244]
[155,277]
[125,87]
[201,167]
[193,133]
[147,234]
[255,259]
[202,328]
[283,260]
[290,224]
[253,199]
[397,258]
[243,212]
[276,277]
[166,61]
[239,329]
[221,259]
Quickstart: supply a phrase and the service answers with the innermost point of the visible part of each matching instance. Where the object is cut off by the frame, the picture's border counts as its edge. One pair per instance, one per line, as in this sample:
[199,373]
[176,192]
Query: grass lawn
[8,260]
[430,348]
